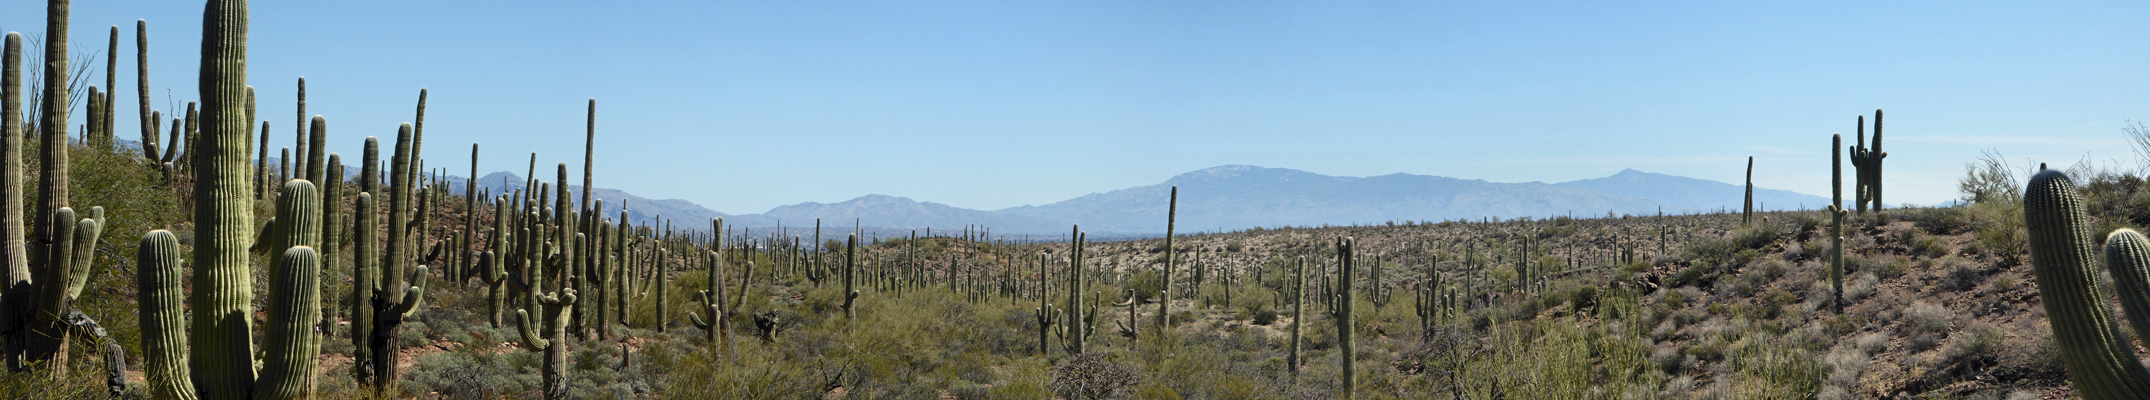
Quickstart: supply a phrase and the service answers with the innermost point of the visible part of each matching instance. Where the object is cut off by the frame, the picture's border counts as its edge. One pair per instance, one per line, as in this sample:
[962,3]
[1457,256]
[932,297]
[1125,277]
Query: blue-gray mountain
[1241,196]
[1690,194]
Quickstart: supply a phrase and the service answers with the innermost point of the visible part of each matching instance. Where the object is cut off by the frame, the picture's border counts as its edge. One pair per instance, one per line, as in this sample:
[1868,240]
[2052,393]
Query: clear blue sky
[750,105]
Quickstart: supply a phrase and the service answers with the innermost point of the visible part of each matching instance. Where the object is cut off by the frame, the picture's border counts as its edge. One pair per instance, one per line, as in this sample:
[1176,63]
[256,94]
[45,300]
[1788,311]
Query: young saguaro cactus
[2099,360]
[163,317]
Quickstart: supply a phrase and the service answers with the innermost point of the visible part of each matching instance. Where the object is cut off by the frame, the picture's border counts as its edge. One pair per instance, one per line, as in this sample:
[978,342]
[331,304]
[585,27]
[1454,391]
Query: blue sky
[743,106]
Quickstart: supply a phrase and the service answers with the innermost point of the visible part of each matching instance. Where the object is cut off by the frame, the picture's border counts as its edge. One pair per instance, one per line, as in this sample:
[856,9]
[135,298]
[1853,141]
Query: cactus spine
[2099,360]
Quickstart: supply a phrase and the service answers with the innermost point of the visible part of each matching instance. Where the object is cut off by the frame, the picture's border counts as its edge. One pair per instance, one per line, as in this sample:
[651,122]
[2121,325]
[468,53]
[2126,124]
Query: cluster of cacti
[718,326]
[1427,300]
[1867,162]
[40,316]
[218,353]
[2097,356]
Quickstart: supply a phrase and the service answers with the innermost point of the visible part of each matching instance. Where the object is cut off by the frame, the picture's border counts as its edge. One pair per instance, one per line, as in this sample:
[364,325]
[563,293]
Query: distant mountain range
[1236,197]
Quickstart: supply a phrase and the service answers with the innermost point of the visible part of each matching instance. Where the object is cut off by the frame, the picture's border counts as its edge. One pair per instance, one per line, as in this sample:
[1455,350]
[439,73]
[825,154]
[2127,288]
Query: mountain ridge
[1230,197]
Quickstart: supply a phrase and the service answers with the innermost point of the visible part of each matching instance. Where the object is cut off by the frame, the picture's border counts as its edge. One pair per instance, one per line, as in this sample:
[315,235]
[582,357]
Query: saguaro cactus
[221,356]
[1746,214]
[1340,310]
[222,362]
[1836,220]
[289,361]
[1076,323]
[163,317]
[2099,360]
[850,294]
[141,80]
[718,325]
[396,299]
[12,248]
[557,309]
[1298,310]
[365,265]
[1867,160]
[1164,297]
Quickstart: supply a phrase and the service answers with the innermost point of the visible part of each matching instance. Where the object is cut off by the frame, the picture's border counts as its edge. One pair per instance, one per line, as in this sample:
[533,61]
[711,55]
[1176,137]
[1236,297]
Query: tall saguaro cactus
[12,248]
[2099,360]
[1836,219]
[141,85]
[850,294]
[1164,301]
[557,309]
[1340,310]
[1746,215]
[396,299]
[1298,314]
[222,362]
[1076,322]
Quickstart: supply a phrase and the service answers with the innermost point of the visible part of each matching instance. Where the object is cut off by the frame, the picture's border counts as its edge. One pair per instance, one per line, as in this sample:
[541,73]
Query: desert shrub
[1938,220]
[1927,317]
[478,375]
[1768,370]
[1845,365]
[1091,376]
[1146,284]
[1969,348]
[1858,287]
[1871,342]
